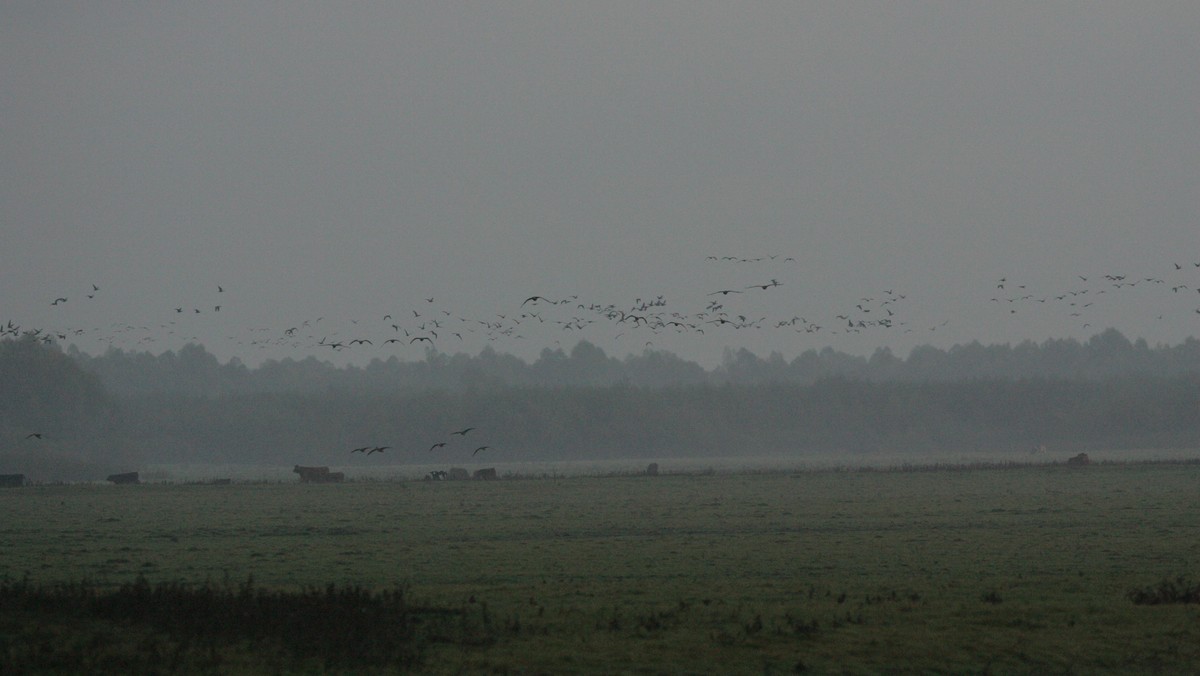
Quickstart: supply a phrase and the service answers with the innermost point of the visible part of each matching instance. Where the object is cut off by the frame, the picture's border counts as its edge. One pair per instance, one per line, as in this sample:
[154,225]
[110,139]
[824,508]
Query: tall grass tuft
[1179,590]
[339,627]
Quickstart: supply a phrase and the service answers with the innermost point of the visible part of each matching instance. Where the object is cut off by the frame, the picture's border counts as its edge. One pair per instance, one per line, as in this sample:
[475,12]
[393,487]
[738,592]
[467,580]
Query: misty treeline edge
[45,392]
[682,421]
[88,430]
[193,370]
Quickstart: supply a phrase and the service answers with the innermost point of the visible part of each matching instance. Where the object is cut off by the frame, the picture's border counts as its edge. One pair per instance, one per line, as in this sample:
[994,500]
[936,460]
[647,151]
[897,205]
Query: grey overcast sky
[922,173]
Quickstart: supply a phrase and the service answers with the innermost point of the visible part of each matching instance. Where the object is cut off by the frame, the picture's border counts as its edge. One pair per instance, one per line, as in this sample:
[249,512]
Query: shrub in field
[338,626]
[991,597]
[1179,590]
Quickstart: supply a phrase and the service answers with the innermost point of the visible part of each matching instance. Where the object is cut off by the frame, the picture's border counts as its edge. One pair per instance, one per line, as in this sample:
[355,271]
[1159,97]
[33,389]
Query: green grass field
[1022,570]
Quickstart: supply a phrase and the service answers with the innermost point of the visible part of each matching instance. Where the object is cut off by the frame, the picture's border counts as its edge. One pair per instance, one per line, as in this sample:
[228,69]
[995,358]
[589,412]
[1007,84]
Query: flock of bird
[430,326]
[1080,299]
[369,450]
[716,310]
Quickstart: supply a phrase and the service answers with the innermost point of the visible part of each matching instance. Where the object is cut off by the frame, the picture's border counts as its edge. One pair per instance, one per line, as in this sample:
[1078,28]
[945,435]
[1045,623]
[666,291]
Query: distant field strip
[1008,569]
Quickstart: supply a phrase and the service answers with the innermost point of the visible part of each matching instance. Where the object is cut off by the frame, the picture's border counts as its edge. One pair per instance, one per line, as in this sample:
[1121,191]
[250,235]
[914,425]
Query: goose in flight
[724,292]
[378,449]
[437,445]
[463,432]
[481,448]
[34,435]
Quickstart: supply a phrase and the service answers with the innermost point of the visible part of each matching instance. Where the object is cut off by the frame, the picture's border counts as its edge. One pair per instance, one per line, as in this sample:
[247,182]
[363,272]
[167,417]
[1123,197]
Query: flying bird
[481,448]
[360,450]
[437,445]
[59,300]
[463,432]
[378,449]
[34,435]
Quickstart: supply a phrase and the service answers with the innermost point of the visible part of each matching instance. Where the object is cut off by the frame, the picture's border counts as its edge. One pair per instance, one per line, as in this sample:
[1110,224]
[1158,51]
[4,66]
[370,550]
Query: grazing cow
[487,473]
[437,475]
[458,474]
[1079,460]
[12,480]
[652,469]
[317,475]
[124,478]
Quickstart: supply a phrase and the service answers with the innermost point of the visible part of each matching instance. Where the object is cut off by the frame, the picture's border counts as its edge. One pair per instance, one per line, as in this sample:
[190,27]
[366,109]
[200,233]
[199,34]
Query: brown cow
[317,475]
[487,473]
[124,478]
[1079,460]
[12,480]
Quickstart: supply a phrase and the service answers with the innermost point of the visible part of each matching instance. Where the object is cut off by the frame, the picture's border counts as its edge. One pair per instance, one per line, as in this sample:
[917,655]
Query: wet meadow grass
[1003,569]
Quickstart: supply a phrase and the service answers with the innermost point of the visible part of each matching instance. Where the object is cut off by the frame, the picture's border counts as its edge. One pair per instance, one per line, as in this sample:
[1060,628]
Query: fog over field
[272,233]
[839,337]
[275,181]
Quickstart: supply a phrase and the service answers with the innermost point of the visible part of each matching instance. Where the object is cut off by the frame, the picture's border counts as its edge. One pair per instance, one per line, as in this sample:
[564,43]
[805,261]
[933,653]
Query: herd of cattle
[460,474]
[17,480]
[316,475]
[322,475]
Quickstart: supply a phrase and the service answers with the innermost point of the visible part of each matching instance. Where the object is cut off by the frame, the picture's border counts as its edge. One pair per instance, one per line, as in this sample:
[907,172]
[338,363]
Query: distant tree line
[194,371]
[621,421]
[56,420]
[319,420]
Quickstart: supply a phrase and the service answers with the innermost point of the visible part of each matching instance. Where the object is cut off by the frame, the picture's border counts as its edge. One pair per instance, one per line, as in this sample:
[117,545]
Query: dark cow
[652,469]
[458,474]
[12,480]
[124,478]
[487,473]
[313,474]
[1080,460]
[317,475]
